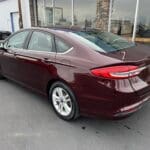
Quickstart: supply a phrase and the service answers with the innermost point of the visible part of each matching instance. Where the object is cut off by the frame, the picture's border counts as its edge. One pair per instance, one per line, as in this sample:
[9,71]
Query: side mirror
[2,45]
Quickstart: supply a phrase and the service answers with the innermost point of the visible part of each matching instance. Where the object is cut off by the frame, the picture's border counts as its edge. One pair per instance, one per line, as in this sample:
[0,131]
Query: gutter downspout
[20,14]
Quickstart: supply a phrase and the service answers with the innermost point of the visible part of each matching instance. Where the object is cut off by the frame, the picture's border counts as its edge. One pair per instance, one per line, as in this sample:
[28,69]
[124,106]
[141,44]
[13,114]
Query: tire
[63,101]
[1,77]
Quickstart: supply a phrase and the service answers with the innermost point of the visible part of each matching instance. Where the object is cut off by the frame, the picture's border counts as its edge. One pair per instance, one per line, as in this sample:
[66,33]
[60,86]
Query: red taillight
[118,72]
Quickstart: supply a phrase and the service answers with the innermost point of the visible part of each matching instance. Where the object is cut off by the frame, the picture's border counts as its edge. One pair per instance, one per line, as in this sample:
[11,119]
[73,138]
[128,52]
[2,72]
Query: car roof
[62,32]
[65,29]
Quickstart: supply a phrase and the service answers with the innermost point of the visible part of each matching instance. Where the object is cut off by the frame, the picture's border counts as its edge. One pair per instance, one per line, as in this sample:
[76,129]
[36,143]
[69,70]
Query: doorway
[14,21]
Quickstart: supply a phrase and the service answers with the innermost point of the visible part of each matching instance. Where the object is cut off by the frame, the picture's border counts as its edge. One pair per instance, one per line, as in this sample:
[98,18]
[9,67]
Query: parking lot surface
[27,122]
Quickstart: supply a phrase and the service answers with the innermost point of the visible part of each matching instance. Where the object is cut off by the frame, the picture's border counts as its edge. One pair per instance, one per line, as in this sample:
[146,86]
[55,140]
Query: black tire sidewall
[1,77]
[75,110]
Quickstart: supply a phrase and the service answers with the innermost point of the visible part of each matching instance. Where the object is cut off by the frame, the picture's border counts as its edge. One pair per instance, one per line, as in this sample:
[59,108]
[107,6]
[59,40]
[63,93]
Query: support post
[110,15]
[135,20]
[72,12]
[53,6]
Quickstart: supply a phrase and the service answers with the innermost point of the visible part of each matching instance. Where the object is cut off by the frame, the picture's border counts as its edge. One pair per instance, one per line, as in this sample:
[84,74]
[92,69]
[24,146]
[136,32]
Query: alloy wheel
[62,101]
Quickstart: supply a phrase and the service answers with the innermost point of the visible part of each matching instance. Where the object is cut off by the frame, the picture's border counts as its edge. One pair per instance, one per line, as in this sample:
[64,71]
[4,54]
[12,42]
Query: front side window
[61,46]
[41,42]
[18,40]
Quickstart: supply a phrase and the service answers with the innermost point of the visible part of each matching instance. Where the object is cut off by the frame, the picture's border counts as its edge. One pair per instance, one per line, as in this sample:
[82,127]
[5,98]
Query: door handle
[46,60]
[25,58]
[8,54]
[15,54]
[11,53]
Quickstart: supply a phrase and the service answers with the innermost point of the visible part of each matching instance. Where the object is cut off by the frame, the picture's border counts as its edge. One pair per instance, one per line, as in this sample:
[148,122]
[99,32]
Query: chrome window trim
[14,49]
[36,51]
[69,50]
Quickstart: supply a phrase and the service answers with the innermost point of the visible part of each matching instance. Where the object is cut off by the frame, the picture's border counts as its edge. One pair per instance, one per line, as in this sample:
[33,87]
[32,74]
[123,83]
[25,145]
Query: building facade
[9,15]
[128,18]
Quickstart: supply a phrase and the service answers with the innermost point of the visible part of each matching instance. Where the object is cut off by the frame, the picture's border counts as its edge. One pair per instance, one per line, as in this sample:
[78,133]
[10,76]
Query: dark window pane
[63,12]
[123,17]
[85,13]
[41,42]
[61,46]
[45,12]
[143,27]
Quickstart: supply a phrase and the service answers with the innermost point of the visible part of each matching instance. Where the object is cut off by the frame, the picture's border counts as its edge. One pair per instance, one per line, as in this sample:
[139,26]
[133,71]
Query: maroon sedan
[83,72]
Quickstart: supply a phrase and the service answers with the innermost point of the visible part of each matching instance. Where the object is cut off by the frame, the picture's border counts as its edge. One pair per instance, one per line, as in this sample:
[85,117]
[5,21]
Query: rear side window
[41,42]
[61,45]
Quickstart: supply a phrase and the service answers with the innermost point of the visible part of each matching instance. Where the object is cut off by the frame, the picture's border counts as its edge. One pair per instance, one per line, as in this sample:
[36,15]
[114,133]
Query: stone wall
[102,14]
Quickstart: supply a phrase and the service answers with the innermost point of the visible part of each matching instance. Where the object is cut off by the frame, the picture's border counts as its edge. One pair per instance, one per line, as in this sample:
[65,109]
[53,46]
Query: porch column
[102,13]
[26,16]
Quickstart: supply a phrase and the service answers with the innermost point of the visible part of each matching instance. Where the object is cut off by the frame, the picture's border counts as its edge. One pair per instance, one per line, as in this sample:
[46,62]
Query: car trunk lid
[139,56]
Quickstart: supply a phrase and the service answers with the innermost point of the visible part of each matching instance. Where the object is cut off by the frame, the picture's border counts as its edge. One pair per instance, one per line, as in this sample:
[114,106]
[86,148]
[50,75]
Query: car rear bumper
[127,110]
[110,98]
[114,108]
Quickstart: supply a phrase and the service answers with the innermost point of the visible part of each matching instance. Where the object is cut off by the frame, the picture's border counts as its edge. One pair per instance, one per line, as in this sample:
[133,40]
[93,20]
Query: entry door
[15,21]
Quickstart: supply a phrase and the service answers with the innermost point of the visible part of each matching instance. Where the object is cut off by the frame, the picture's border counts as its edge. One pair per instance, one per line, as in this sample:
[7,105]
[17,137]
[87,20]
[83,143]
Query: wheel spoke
[66,108]
[57,91]
[57,99]
[60,92]
[61,107]
[67,101]
[67,97]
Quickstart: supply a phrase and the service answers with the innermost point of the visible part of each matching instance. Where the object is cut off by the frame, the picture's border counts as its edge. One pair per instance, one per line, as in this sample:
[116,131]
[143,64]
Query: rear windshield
[102,41]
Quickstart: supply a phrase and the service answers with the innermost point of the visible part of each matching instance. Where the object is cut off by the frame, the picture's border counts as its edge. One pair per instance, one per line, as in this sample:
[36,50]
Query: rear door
[37,61]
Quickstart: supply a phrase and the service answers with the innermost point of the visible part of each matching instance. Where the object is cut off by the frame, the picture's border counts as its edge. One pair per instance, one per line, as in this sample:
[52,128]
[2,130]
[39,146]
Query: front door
[37,63]
[8,62]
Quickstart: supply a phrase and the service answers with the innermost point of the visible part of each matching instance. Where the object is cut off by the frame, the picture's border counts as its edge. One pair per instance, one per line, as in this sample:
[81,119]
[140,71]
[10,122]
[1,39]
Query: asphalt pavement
[27,122]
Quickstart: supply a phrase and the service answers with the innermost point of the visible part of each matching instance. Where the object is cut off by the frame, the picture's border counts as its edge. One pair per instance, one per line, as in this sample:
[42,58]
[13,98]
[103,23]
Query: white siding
[26,13]
[6,7]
